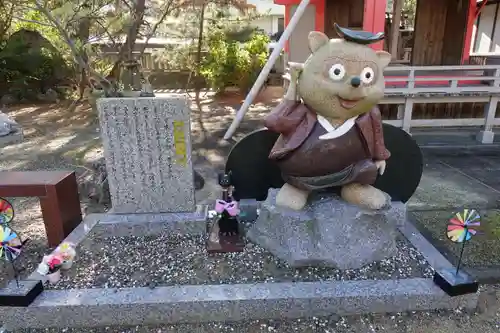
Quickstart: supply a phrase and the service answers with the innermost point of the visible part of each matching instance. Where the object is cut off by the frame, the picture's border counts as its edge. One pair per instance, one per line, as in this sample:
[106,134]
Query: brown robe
[310,163]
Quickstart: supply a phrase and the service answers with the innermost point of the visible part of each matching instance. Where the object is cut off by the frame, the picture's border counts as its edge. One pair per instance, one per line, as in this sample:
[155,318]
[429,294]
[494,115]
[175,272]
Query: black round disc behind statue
[253,173]
[404,168]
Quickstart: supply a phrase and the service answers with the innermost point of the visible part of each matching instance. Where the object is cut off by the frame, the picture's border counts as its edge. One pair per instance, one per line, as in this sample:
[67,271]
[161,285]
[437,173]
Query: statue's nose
[355,81]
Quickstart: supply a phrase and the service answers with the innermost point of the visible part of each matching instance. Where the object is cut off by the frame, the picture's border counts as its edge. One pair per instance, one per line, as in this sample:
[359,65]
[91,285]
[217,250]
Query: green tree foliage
[231,63]
[29,65]
[71,28]
[36,21]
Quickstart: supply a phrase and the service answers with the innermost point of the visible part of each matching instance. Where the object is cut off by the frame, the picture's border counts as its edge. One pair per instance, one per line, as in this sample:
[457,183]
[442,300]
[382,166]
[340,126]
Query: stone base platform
[224,302]
[328,232]
[122,225]
[12,138]
[207,303]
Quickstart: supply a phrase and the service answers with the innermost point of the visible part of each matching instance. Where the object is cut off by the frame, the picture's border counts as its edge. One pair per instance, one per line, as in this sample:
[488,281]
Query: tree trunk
[127,48]
[197,82]
[83,37]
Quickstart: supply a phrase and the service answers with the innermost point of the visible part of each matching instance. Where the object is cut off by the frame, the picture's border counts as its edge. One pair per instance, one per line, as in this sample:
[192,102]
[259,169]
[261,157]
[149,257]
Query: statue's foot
[365,196]
[292,197]
[229,234]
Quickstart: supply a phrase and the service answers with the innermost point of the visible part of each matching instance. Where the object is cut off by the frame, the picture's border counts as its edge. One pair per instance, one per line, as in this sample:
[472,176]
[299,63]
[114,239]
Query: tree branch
[167,11]
[32,21]
[76,55]
[127,4]
[106,32]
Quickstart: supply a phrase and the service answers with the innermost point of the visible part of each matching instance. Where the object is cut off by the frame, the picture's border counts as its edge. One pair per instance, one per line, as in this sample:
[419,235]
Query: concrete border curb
[206,303]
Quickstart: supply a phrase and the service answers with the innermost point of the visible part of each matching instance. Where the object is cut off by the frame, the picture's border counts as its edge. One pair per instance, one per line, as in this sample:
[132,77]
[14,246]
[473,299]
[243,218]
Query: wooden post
[408,106]
[397,6]
[486,135]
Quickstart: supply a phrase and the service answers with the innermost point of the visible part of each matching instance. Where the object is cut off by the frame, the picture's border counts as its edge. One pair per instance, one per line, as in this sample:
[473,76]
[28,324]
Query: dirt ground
[61,137]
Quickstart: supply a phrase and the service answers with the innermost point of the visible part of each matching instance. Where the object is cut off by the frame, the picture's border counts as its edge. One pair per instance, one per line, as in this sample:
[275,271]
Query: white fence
[407,86]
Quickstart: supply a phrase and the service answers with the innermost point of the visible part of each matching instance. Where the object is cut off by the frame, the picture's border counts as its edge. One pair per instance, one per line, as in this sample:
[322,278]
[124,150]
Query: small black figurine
[227,207]
[224,233]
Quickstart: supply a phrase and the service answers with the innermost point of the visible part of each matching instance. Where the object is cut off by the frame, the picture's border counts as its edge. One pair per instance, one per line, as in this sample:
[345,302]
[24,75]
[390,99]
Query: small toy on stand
[67,252]
[223,229]
[51,267]
[460,229]
[16,293]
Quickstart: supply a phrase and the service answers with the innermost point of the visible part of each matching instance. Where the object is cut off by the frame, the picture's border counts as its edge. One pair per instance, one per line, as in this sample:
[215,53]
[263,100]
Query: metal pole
[267,68]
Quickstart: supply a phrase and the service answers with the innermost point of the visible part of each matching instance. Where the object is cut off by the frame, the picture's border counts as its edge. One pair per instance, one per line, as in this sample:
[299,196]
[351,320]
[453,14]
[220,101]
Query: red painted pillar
[287,20]
[471,19]
[374,19]
[319,24]
[320,14]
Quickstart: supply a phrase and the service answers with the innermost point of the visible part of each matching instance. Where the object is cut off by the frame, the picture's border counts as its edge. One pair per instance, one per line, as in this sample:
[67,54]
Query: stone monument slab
[147,147]
[327,232]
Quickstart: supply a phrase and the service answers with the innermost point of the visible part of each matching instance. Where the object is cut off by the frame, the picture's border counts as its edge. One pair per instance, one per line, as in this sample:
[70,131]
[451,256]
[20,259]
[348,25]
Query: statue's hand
[380,167]
[295,70]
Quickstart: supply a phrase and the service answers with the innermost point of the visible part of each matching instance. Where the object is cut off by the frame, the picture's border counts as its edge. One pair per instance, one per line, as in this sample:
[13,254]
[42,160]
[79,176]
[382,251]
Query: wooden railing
[407,86]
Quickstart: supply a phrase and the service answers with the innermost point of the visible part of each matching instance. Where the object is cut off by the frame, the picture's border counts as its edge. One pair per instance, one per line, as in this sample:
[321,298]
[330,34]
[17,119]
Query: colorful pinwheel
[6,211]
[461,226]
[460,229]
[10,244]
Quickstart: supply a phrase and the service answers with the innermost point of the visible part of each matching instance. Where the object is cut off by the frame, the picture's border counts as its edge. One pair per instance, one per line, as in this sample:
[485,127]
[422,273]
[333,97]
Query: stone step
[389,323]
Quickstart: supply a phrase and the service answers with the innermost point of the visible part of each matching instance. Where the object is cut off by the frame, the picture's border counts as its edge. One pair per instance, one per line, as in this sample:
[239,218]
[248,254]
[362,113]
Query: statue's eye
[367,75]
[336,72]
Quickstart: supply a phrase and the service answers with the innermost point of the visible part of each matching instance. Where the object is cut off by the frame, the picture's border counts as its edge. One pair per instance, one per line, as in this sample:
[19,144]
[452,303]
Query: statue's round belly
[317,157]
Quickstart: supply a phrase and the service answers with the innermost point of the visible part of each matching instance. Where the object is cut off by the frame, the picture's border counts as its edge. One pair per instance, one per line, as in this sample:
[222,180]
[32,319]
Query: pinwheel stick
[462,250]
[11,260]
[16,275]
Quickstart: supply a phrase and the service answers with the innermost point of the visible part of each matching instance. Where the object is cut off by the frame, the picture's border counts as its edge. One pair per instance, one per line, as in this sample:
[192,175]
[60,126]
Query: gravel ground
[118,262]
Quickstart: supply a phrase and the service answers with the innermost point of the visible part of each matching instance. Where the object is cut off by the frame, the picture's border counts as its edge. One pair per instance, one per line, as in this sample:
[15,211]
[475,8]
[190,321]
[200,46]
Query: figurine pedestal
[21,296]
[217,243]
[455,285]
[328,232]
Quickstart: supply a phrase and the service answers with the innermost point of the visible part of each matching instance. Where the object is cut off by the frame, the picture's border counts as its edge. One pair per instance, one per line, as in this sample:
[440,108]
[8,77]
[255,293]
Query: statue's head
[343,78]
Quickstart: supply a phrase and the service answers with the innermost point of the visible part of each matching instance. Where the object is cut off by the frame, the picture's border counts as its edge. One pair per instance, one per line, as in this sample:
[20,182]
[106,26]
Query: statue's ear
[316,40]
[384,58]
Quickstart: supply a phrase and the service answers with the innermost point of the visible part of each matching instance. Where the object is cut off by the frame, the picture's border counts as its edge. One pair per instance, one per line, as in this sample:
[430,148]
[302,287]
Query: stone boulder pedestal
[328,232]
[10,131]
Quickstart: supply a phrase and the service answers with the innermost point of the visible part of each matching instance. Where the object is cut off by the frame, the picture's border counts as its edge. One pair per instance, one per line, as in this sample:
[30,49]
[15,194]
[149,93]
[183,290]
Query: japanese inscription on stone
[147,145]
